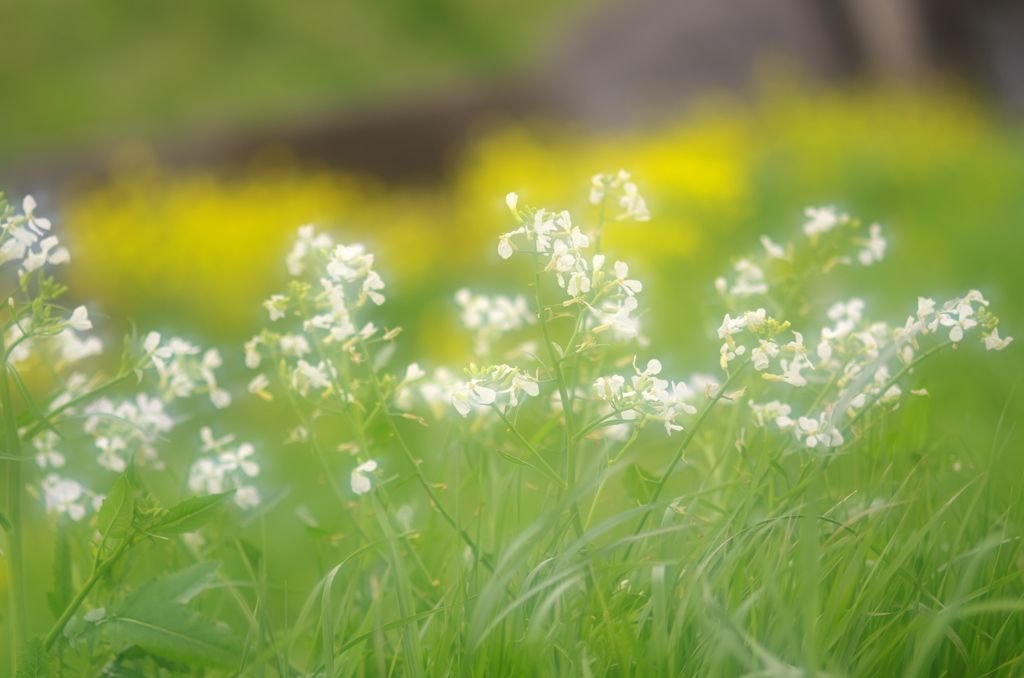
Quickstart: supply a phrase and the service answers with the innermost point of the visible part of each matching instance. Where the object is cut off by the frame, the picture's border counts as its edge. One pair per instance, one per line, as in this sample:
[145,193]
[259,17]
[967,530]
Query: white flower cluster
[603,186]
[486,384]
[490,317]
[647,398]
[62,337]
[358,480]
[228,468]
[126,429]
[22,239]
[67,497]
[347,281]
[182,373]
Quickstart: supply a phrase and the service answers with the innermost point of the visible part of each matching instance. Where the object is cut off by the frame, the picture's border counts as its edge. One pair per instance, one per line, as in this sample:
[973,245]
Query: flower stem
[550,472]
[682,448]
[15,554]
[606,475]
[97,572]
[570,429]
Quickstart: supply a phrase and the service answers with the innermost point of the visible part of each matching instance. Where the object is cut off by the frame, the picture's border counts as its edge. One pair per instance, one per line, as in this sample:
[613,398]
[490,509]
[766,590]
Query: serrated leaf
[63,591]
[115,515]
[34,661]
[189,515]
[173,631]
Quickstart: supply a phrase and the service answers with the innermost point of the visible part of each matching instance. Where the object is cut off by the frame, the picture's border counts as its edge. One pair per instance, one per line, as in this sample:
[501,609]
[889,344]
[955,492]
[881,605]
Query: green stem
[604,478]
[570,429]
[15,554]
[97,572]
[550,472]
[427,487]
[682,449]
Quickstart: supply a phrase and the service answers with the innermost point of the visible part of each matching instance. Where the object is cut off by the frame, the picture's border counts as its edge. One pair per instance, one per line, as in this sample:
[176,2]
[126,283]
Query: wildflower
[46,455]
[636,206]
[360,483]
[306,242]
[774,251]
[761,354]
[750,279]
[109,459]
[247,497]
[609,388]
[276,306]
[821,220]
[206,477]
[310,376]
[521,383]
[994,343]
[773,411]
[63,496]
[37,224]
[252,353]
[958,323]
[874,247]
[258,386]
[818,431]
[472,395]
[239,459]
[79,319]
[630,287]
[294,345]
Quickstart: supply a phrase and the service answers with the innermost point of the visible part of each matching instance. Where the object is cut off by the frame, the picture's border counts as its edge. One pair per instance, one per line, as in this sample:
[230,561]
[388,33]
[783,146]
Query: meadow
[698,418]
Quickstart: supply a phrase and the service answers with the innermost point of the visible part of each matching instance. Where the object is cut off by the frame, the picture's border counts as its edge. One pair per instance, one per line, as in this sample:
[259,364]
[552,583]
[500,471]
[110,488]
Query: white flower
[994,343]
[774,411]
[636,206]
[821,219]
[276,306]
[238,459]
[360,483]
[750,279]
[521,383]
[46,455]
[247,497]
[761,354]
[874,248]
[505,245]
[252,353]
[579,284]
[109,459]
[959,323]
[413,372]
[37,224]
[151,343]
[294,345]
[62,496]
[630,287]
[310,376]
[472,395]
[609,388]
[211,443]
[206,477]
[512,200]
[79,319]
[774,251]
[258,386]
[818,431]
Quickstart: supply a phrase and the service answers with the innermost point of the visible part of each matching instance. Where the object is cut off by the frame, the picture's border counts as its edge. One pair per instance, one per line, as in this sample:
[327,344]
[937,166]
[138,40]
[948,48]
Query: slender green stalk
[563,391]
[605,475]
[710,405]
[15,552]
[547,468]
[97,572]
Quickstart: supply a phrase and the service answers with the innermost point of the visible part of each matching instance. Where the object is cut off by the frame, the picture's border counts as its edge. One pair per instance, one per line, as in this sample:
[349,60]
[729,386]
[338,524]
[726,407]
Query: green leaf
[115,516]
[35,661]
[4,522]
[181,586]
[63,590]
[155,619]
[189,515]
[173,631]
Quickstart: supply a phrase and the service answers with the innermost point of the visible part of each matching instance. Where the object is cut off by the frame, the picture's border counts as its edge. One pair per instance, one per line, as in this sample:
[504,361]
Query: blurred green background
[179,146]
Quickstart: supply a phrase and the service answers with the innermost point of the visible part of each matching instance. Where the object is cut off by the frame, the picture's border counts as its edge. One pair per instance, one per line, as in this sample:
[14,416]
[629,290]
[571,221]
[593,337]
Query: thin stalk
[606,475]
[682,449]
[570,428]
[97,572]
[427,487]
[15,552]
[547,468]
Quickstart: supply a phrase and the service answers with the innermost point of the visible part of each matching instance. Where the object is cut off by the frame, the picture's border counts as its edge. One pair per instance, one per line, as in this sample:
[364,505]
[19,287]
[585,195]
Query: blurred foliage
[82,71]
